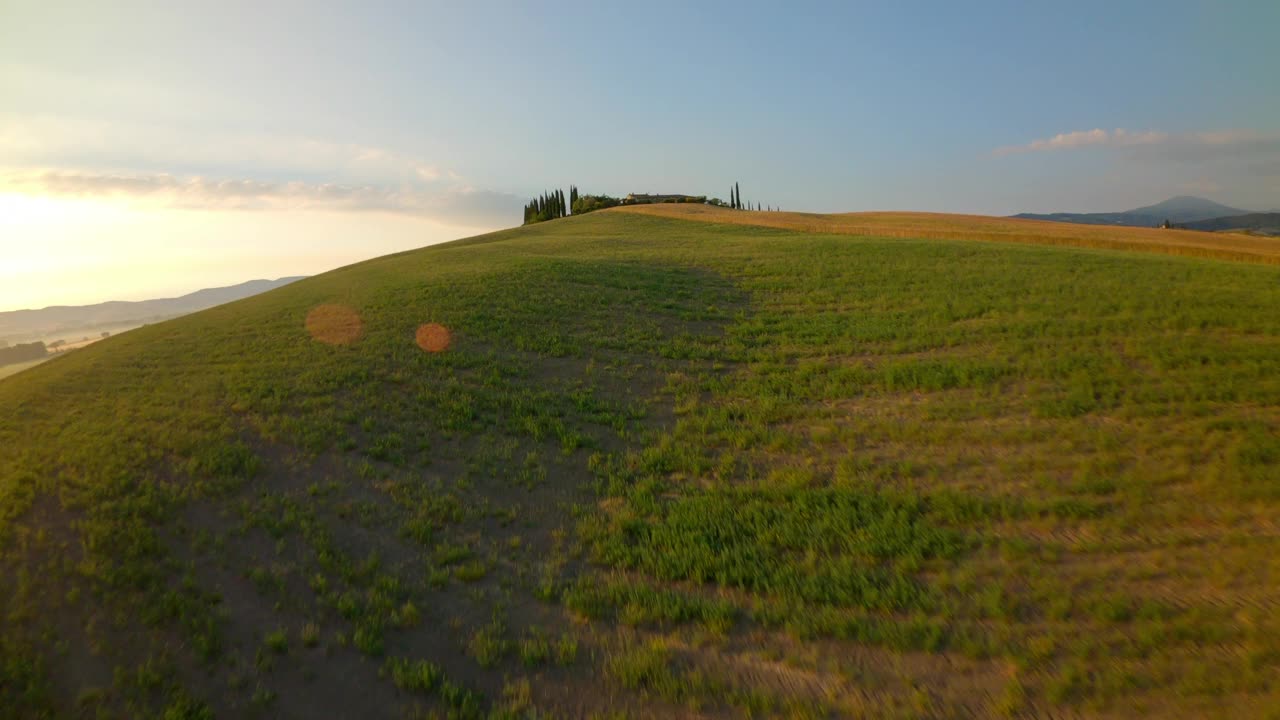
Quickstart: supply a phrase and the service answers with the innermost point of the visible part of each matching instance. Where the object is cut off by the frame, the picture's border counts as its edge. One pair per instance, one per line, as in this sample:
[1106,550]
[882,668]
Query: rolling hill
[1264,223]
[1181,209]
[669,461]
[49,323]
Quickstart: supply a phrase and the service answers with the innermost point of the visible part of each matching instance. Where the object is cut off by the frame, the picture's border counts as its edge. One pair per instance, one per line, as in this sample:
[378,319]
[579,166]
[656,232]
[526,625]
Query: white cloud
[462,206]
[1088,138]
[1239,165]
[1242,154]
[169,167]
[39,141]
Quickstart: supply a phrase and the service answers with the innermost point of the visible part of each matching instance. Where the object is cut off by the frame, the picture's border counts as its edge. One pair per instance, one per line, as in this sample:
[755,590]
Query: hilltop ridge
[944,226]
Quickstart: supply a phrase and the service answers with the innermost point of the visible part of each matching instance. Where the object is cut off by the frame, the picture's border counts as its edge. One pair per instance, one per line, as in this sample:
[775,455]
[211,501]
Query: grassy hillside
[665,468]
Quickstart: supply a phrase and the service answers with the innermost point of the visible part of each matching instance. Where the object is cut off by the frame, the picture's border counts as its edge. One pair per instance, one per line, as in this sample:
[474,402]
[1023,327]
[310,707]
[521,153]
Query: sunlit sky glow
[150,149]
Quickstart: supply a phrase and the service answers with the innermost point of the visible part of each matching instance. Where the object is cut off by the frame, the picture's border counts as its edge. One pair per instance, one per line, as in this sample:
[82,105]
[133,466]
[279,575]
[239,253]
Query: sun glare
[55,249]
[19,210]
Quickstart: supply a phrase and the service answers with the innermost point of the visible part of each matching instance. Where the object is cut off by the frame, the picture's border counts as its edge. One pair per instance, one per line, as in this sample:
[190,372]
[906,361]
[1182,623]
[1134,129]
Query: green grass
[663,464]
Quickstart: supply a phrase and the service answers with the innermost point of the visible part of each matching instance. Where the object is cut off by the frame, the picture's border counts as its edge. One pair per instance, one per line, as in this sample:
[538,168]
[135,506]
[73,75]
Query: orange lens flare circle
[334,324]
[433,337]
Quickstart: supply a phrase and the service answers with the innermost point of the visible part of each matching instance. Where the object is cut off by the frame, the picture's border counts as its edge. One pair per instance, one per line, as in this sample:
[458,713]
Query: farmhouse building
[643,198]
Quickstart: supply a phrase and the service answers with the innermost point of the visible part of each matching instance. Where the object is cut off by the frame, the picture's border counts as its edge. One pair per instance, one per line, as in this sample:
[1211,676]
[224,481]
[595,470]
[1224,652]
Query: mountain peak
[1187,208]
[1178,210]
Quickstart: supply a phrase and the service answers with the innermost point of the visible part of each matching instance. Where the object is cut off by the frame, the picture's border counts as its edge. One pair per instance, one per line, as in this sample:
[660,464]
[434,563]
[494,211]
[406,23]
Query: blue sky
[333,131]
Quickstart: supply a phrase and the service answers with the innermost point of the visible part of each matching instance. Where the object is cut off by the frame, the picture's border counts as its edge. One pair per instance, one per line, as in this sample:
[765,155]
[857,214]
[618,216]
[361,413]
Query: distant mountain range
[1179,210]
[1186,212]
[67,320]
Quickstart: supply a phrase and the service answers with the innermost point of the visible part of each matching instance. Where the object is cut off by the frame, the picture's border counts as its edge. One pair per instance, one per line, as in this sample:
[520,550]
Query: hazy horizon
[148,148]
[177,291]
[103,253]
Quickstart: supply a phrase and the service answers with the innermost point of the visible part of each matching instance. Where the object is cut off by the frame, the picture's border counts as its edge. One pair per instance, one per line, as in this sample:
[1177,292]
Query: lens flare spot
[334,324]
[433,337]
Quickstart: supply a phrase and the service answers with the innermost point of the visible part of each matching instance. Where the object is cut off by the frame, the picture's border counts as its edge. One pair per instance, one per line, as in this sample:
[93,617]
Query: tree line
[736,202]
[553,204]
[548,206]
[22,353]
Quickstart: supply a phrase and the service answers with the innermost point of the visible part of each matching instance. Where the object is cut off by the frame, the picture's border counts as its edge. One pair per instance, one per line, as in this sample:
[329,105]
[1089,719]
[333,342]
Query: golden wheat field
[943,226]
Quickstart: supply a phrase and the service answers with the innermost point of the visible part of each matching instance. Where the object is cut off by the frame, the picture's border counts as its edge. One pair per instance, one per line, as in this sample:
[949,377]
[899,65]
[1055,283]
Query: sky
[149,149]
